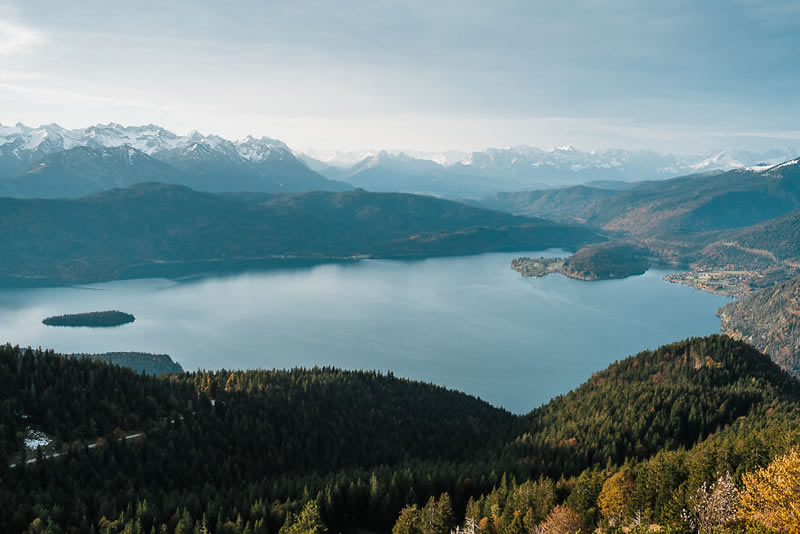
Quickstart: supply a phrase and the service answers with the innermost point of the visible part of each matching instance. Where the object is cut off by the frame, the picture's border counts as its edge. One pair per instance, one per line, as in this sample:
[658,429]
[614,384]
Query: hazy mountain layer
[696,203]
[524,168]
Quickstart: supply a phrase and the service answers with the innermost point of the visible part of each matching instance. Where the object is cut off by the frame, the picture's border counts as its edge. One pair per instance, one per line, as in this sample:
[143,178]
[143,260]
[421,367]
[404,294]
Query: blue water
[470,323]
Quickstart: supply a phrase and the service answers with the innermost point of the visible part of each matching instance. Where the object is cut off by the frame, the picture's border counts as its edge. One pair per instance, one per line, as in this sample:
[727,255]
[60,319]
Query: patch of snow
[35,439]
[787,164]
[758,168]
[257,150]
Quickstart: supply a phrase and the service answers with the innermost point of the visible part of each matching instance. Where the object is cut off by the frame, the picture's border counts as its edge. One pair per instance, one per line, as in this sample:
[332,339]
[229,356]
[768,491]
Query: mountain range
[695,203]
[518,168]
[51,161]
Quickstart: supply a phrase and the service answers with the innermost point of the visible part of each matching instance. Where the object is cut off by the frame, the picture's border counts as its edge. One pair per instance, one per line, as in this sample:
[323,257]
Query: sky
[679,76]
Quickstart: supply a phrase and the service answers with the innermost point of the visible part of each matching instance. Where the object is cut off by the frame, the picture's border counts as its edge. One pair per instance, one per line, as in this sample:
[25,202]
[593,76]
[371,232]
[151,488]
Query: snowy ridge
[521,159]
[150,139]
[570,158]
[787,164]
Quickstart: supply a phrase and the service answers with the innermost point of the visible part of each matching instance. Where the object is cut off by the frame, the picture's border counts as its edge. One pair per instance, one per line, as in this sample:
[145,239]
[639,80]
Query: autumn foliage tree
[615,497]
[771,495]
[307,522]
[562,520]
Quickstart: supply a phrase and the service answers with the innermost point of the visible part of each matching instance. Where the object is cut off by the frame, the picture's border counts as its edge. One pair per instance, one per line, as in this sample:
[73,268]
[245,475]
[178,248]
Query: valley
[238,277]
[399,267]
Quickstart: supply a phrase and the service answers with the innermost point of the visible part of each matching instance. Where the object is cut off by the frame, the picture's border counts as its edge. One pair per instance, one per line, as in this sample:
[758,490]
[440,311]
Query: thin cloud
[451,74]
[66,96]
[17,39]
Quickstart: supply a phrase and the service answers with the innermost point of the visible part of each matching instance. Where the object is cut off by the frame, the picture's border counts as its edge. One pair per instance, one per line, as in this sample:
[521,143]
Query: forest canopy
[652,440]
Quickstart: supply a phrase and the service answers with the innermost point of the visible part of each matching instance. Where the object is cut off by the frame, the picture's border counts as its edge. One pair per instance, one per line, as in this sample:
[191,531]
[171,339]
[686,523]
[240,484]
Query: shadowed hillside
[96,237]
[770,320]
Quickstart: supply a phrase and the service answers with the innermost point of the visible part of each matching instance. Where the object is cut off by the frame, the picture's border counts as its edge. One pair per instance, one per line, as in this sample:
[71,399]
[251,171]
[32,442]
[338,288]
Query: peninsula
[602,261]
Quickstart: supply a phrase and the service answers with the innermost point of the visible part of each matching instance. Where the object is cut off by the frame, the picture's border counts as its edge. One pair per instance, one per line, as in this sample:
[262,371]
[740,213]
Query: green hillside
[696,203]
[241,451]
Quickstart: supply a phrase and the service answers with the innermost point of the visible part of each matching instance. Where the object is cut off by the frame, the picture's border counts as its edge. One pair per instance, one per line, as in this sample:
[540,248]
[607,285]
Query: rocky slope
[770,320]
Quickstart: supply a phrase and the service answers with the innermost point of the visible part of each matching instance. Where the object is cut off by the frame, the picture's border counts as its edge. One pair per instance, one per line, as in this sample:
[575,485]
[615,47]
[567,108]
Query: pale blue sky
[673,76]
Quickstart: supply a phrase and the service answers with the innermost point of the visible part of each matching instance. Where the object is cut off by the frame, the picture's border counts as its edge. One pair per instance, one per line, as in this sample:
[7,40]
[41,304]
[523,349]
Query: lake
[469,323]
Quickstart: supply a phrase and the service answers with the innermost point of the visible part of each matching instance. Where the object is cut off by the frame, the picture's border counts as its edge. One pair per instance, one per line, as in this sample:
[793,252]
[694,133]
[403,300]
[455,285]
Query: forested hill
[268,439]
[700,203]
[663,399]
[770,320]
[565,204]
[97,237]
[241,451]
[695,203]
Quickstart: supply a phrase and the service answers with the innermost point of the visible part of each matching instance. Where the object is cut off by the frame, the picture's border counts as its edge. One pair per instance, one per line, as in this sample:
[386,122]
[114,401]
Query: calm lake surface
[470,323]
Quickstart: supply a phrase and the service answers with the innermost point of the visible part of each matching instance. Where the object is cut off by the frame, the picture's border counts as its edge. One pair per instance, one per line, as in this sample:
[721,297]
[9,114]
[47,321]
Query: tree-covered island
[98,319]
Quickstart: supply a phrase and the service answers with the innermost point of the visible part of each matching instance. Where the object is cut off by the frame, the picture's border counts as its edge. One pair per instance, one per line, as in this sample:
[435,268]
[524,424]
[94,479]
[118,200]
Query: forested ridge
[101,236]
[306,449]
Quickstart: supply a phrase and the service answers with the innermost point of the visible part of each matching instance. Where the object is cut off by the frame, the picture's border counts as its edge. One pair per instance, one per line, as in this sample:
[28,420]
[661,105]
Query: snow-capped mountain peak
[150,139]
[257,150]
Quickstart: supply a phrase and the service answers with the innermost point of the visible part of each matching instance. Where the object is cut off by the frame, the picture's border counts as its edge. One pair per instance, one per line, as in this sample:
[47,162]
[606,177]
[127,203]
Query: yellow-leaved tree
[615,496]
[771,495]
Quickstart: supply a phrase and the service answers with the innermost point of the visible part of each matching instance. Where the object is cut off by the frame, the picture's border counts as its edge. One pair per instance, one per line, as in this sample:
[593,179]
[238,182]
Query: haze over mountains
[699,202]
[522,168]
[51,161]
[734,214]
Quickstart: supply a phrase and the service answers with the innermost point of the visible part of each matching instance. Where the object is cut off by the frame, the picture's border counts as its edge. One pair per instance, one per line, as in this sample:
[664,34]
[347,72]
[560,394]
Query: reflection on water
[470,323]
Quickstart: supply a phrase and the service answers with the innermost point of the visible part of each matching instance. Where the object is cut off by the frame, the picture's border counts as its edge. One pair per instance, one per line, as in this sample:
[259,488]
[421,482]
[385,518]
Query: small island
[101,319]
